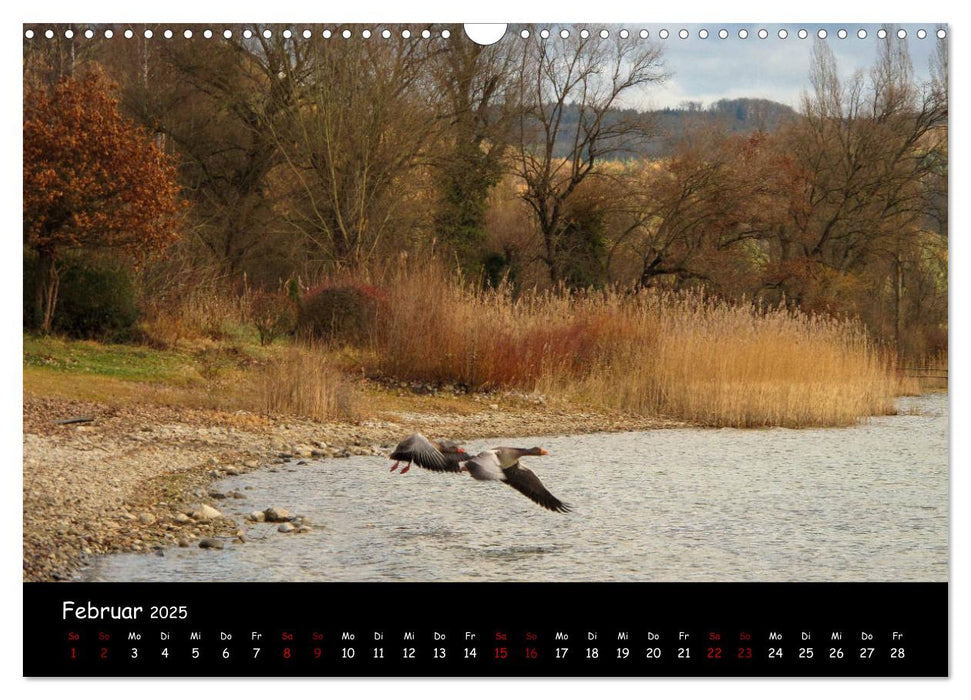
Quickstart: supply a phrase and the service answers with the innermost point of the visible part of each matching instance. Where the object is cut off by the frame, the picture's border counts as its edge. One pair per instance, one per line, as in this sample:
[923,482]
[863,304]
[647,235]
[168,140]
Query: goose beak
[543,452]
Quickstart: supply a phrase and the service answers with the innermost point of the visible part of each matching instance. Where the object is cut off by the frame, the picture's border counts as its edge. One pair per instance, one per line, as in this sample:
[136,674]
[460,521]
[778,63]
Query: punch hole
[69,34]
[426,34]
[148,34]
[821,33]
[604,33]
[722,33]
[487,34]
[783,34]
[227,34]
[129,34]
[167,33]
[743,33]
[624,34]
[703,34]
[941,34]
[683,34]
[584,33]
[803,34]
[247,34]
[446,34]
[901,33]
[921,34]
[544,33]
[861,33]
[386,34]
[882,34]
[841,33]
[207,34]
[644,34]
[763,34]
[29,34]
[664,33]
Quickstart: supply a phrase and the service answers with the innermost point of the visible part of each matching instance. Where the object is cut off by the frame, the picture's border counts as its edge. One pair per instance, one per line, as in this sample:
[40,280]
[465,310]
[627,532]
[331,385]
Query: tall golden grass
[681,356]
[201,311]
[303,382]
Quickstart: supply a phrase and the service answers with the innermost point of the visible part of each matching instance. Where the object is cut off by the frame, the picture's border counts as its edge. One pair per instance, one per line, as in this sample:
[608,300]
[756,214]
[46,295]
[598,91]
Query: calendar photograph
[395,304]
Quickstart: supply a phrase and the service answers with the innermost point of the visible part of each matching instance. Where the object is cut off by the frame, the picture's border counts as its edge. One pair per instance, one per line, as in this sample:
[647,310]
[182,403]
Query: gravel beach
[135,477]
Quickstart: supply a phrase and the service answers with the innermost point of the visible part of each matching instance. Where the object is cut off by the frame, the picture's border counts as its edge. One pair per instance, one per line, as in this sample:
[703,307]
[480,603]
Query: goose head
[508,456]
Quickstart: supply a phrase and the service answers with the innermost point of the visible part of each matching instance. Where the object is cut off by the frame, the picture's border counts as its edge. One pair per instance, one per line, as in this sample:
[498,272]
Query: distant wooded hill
[741,115]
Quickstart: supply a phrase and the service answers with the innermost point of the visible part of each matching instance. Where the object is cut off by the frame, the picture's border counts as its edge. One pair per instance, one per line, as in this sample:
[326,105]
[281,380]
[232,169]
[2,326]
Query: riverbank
[126,480]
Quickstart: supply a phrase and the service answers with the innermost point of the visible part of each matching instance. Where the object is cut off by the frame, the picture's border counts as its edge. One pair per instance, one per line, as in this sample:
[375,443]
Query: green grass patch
[128,362]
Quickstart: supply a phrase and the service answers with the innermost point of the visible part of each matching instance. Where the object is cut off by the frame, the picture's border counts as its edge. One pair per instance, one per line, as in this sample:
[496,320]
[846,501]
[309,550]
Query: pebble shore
[136,477]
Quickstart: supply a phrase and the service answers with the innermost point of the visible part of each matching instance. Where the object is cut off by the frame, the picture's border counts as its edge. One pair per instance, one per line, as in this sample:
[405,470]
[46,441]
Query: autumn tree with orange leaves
[93,181]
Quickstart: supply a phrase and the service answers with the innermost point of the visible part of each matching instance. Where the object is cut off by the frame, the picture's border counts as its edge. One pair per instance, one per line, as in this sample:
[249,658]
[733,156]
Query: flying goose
[502,464]
[437,455]
[497,464]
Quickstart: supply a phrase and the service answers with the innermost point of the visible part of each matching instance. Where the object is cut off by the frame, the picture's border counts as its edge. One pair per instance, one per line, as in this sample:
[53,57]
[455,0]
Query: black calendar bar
[480,629]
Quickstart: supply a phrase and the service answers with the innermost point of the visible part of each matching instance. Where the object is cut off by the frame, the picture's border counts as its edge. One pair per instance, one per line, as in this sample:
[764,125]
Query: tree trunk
[898,289]
[45,290]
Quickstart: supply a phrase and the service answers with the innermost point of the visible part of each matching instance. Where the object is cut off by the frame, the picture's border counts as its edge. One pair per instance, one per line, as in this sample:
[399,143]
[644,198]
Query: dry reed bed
[655,354]
[684,357]
[304,382]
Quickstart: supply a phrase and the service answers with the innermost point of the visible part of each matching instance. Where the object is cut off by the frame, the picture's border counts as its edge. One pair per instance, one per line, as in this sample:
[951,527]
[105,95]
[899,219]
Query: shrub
[346,313]
[273,314]
[96,301]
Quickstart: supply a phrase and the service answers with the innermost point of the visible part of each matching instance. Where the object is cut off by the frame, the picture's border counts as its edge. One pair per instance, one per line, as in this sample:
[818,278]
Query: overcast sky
[706,70]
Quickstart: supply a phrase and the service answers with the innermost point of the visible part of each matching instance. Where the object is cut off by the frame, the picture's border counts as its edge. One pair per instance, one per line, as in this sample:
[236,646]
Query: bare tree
[220,112]
[352,141]
[683,217]
[862,156]
[567,89]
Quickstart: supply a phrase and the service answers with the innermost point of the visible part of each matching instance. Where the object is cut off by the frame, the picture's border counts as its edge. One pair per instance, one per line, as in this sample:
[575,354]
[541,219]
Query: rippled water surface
[868,503]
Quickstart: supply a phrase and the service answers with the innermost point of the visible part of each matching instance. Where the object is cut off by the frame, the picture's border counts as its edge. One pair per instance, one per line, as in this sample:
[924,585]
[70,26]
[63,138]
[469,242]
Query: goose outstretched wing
[528,484]
[418,449]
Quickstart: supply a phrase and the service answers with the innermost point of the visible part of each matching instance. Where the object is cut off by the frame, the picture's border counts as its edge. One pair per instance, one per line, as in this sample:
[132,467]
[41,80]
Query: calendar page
[451,350]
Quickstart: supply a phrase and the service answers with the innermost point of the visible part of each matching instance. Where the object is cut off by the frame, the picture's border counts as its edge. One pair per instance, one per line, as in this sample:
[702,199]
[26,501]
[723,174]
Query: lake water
[867,503]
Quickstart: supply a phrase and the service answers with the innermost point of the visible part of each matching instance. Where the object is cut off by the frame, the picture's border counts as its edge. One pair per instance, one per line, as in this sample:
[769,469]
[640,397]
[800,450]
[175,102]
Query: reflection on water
[867,503]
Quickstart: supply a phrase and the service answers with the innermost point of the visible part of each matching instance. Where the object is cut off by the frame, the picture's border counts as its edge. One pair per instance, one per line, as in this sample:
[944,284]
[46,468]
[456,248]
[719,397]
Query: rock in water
[210,543]
[277,515]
